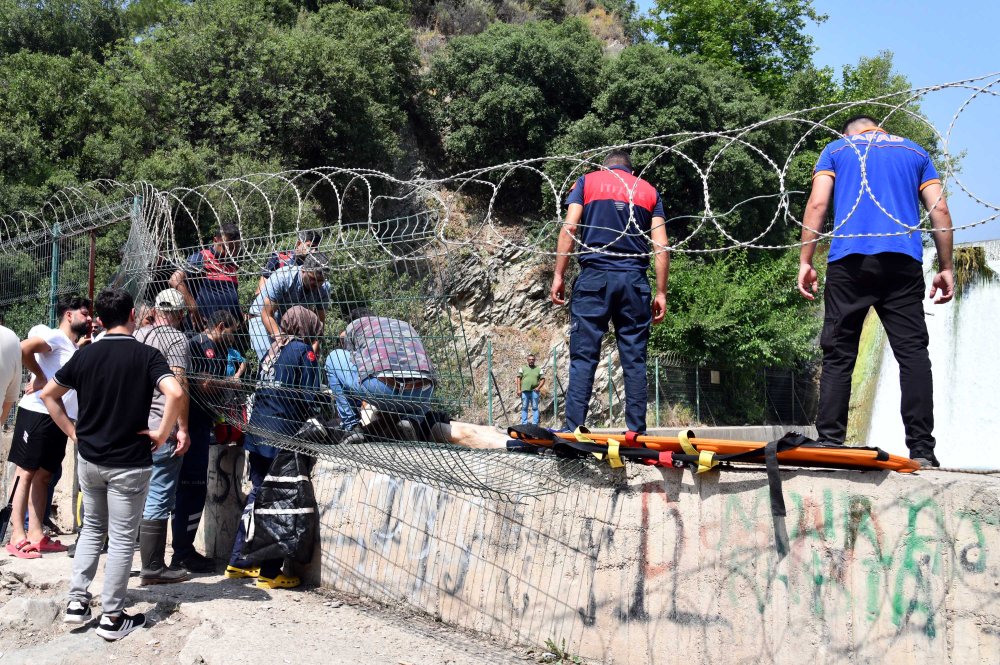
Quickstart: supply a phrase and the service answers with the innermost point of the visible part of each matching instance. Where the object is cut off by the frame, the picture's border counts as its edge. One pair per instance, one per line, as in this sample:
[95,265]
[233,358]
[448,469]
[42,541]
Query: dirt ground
[211,620]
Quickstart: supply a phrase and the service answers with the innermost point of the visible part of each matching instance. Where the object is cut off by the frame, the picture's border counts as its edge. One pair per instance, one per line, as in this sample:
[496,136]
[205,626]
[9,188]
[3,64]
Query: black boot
[152,546]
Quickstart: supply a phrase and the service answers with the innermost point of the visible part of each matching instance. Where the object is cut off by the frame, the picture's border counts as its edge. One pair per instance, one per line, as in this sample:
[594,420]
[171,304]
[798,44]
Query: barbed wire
[268,206]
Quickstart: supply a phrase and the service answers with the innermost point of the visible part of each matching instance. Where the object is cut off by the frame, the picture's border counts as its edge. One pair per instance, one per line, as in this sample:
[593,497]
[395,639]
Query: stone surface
[29,613]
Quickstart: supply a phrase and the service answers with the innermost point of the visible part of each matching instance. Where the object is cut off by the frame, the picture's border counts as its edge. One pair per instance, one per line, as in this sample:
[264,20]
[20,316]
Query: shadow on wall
[663,567]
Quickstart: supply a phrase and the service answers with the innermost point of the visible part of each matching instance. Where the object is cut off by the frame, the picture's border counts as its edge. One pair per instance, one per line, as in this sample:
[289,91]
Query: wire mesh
[284,252]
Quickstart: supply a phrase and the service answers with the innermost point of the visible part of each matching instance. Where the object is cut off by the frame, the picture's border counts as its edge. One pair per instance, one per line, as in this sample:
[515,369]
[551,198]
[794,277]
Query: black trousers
[894,285]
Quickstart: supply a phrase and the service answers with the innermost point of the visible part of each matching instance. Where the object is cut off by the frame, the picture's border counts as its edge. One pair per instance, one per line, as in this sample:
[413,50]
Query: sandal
[23,550]
[280,581]
[46,544]
[237,573]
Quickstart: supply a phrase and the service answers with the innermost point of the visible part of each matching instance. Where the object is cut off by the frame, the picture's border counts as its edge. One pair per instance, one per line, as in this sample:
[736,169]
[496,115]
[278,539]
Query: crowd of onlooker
[143,389]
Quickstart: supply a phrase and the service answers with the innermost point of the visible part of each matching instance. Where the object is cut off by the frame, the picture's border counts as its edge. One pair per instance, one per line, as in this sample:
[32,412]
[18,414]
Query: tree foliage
[61,27]
[737,311]
[765,39]
[182,92]
[505,94]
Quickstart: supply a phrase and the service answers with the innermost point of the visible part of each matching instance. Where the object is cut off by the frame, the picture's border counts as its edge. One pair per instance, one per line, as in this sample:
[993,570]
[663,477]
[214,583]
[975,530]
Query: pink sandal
[46,544]
[24,550]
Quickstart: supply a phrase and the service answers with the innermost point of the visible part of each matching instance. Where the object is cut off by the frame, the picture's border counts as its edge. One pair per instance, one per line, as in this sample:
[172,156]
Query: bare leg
[468,435]
[20,504]
[38,499]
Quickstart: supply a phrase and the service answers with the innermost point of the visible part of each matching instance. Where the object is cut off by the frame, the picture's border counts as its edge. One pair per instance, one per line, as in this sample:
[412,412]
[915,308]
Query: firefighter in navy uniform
[209,281]
[209,389]
[618,219]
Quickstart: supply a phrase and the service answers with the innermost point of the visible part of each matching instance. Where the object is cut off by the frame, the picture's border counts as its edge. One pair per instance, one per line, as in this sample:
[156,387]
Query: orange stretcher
[808,453]
[687,450]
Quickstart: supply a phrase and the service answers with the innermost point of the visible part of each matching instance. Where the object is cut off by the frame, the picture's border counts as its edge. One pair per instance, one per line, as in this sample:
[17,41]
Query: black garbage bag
[283,521]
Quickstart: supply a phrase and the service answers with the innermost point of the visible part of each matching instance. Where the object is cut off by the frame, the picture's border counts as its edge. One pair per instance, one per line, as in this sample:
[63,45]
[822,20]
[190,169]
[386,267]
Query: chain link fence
[680,394]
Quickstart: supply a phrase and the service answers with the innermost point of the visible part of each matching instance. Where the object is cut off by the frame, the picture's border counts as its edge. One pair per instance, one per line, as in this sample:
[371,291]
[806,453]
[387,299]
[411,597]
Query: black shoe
[924,457]
[115,629]
[312,431]
[196,563]
[77,612]
[152,543]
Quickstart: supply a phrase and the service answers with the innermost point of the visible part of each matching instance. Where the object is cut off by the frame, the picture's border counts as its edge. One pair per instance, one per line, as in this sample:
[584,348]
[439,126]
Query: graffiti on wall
[649,557]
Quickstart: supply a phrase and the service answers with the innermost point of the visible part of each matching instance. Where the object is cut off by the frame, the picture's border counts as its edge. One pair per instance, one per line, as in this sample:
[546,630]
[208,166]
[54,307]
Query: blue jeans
[260,339]
[163,483]
[600,297]
[258,466]
[529,398]
[349,391]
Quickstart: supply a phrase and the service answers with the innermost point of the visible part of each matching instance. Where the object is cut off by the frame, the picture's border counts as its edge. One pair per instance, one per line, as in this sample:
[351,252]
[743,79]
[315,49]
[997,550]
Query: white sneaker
[77,612]
[117,628]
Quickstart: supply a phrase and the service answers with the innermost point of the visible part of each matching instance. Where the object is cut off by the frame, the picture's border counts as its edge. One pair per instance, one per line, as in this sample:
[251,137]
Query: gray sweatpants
[113,499]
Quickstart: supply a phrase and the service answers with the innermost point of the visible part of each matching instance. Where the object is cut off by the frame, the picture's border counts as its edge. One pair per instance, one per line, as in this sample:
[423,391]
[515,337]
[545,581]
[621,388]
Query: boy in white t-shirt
[38,446]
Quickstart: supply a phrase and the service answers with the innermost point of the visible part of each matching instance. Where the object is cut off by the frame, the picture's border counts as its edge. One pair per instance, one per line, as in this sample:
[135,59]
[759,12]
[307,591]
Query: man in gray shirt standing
[164,335]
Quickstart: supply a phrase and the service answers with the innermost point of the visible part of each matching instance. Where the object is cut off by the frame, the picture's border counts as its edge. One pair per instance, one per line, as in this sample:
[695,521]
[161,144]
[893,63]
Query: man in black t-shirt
[114,381]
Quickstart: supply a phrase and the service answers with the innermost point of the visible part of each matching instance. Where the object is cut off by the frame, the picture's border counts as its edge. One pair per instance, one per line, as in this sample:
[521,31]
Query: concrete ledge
[660,566]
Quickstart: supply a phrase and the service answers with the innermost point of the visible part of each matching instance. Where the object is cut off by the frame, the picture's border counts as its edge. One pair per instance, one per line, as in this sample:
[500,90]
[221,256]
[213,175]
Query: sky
[932,43]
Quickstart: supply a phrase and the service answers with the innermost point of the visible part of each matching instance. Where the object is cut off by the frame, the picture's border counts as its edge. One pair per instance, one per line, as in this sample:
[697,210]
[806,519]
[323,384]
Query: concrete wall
[660,566]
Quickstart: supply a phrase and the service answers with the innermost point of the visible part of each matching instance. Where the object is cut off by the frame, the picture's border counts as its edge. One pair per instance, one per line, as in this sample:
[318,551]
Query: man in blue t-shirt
[306,241]
[877,182]
[612,217]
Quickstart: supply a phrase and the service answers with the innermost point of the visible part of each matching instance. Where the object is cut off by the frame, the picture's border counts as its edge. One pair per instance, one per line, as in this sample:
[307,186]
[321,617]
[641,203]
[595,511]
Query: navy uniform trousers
[599,297]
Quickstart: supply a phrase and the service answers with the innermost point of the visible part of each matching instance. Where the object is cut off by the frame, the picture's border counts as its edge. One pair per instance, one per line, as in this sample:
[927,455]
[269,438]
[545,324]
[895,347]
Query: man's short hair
[316,262]
[222,317]
[618,158]
[866,119]
[70,302]
[359,313]
[311,236]
[229,231]
[114,306]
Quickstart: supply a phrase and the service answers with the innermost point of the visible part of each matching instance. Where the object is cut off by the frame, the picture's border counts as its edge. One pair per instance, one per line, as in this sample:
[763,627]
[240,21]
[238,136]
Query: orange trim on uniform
[873,129]
[932,181]
[824,172]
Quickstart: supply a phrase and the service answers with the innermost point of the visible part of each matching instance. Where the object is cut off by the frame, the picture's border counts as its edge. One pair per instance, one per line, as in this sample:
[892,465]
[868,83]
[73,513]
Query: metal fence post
[91,267]
[555,387]
[795,417]
[656,389]
[54,276]
[489,381]
[611,394]
[697,393]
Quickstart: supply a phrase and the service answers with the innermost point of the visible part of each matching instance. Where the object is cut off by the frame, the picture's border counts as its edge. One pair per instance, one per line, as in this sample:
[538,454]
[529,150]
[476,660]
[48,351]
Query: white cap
[169,300]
